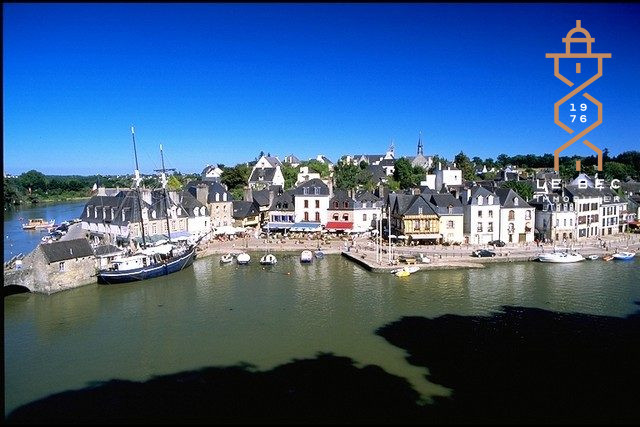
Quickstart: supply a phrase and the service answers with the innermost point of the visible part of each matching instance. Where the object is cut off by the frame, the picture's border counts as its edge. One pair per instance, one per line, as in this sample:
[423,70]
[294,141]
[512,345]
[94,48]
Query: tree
[615,170]
[393,184]
[173,183]
[489,175]
[290,175]
[503,160]
[318,167]
[403,173]
[523,188]
[477,161]
[33,180]
[464,164]
[236,177]
[365,180]
[346,175]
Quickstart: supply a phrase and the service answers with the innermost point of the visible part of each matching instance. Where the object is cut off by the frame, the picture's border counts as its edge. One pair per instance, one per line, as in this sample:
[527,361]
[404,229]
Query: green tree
[503,160]
[464,164]
[290,175]
[173,183]
[615,170]
[33,180]
[403,174]
[365,180]
[236,177]
[318,167]
[477,161]
[523,188]
[489,175]
[393,184]
[346,175]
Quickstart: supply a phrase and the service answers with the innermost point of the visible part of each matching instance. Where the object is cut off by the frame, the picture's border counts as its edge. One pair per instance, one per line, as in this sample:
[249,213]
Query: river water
[222,315]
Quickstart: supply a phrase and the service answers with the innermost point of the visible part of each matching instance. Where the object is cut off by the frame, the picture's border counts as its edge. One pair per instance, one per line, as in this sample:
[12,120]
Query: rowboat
[268,259]
[226,259]
[306,256]
[624,255]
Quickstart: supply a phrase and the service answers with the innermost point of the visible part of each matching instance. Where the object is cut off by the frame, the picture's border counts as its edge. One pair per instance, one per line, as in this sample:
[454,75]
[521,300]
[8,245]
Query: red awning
[339,225]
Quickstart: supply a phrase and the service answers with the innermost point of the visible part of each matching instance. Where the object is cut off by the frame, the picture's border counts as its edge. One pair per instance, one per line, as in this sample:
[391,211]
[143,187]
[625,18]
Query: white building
[517,217]
[481,215]
[556,218]
[265,173]
[312,201]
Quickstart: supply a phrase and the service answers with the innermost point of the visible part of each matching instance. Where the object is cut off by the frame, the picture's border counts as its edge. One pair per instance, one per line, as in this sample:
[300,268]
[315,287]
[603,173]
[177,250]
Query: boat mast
[164,186]
[137,180]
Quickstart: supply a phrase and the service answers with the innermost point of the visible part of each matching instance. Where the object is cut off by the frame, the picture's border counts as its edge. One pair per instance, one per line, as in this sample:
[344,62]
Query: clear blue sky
[218,83]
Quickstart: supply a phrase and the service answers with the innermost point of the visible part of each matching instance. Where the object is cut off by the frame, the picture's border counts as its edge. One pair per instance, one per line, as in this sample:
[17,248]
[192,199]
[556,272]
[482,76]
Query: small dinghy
[624,255]
[319,254]
[268,259]
[243,258]
[306,256]
[593,257]
[226,259]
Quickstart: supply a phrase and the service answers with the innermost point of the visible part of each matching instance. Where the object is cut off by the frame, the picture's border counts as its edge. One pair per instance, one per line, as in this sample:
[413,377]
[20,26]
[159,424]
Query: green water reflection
[212,315]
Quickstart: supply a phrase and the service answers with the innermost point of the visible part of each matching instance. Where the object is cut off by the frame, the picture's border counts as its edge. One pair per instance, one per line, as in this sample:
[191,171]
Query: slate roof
[341,196]
[481,191]
[213,188]
[315,182]
[366,196]
[66,249]
[417,202]
[387,162]
[575,191]
[244,209]
[507,197]
[291,159]
[189,202]
[261,197]
[107,250]
[442,203]
[273,161]
[262,175]
[281,200]
[378,172]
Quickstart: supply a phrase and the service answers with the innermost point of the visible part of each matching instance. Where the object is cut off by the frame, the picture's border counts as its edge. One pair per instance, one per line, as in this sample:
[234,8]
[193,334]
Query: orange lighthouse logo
[579,59]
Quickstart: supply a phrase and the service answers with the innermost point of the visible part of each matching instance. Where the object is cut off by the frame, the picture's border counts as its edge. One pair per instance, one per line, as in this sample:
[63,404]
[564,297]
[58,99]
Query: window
[345,217]
[316,190]
[571,222]
[450,209]
[217,197]
[490,200]
[335,217]
[480,200]
[490,227]
[317,204]
[416,224]
[364,217]
[305,190]
[61,266]
[335,205]
[449,224]
[375,217]
[480,214]
[479,227]
[318,216]
[515,201]
[306,203]
[346,205]
[594,206]
[306,216]
[511,228]
[420,210]
[490,214]
[512,215]
[527,214]
[565,222]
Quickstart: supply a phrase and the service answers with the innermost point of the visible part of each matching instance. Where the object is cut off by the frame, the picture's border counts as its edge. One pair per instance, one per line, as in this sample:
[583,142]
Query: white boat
[319,254]
[268,259]
[623,255]
[405,271]
[561,257]
[243,258]
[306,256]
[226,259]
[593,257]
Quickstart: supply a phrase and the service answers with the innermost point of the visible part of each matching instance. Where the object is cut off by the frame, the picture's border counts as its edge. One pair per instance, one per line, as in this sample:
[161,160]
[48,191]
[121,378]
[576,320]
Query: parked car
[480,253]
[498,243]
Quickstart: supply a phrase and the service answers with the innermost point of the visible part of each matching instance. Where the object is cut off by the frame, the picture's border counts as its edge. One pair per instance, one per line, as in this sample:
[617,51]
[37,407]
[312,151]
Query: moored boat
[593,257]
[38,223]
[243,258]
[268,259]
[623,255]
[226,259]
[306,256]
[148,261]
[561,257]
[319,254]
[607,257]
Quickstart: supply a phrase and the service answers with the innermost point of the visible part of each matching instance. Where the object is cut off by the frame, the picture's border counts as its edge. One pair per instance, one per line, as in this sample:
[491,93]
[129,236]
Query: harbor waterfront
[225,315]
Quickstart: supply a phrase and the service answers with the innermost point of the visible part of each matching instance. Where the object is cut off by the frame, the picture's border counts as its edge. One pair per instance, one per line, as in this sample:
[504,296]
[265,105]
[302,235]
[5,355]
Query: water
[213,315]
[17,240]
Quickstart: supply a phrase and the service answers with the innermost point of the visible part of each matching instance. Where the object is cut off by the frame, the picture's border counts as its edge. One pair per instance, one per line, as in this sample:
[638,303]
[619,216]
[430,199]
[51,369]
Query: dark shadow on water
[522,365]
[14,289]
[528,365]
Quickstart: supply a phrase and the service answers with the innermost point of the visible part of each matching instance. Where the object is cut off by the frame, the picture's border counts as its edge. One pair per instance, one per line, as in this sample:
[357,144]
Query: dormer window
[490,200]
[224,197]
[420,210]
[217,197]
[450,209]
[305,190]
[515,201]
[335,205]
[480,200]
[346,205]
[316,190]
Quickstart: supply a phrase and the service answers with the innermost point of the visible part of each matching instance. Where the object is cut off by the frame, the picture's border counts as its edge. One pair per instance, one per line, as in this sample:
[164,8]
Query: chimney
[271,196]
[248,194]
[202,193]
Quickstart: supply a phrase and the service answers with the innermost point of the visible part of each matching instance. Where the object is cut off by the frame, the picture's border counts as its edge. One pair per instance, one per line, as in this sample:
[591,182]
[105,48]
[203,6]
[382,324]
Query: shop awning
[277,225]
[339,225]
[425,236]
[306,226]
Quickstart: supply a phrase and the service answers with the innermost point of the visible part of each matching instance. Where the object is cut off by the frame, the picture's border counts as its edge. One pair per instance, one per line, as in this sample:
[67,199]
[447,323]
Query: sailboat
[149,261]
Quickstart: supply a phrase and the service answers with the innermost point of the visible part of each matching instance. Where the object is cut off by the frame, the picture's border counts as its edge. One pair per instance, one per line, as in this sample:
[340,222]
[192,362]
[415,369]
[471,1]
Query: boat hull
[623,256]
[107,277]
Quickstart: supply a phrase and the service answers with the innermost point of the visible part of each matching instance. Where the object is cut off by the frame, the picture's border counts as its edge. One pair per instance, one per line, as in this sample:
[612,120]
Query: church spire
[420,152]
